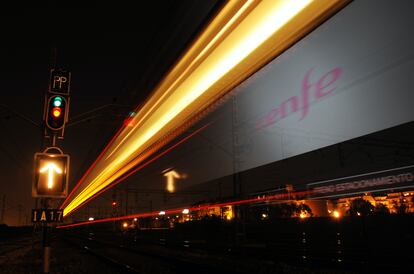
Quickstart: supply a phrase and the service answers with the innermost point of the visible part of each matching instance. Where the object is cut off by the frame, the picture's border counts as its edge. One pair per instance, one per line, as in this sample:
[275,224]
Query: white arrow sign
[171,176]
[50,168]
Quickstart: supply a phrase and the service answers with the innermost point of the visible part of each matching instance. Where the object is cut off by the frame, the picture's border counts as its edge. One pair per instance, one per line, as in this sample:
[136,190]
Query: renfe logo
[321,88]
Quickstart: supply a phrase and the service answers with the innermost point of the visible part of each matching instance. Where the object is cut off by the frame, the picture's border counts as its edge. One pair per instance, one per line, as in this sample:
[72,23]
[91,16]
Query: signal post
[51,166]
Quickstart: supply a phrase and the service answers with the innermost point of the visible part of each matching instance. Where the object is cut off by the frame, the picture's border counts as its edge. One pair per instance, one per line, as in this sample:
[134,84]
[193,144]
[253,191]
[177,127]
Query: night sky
[116,54]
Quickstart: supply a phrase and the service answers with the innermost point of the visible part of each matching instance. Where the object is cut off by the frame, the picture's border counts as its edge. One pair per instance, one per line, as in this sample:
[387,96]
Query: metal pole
[126,201]
[45,202]
[151,216]
[3,208]
[46,243]
[54,140]
[239,210]
[46,250]
[20,209]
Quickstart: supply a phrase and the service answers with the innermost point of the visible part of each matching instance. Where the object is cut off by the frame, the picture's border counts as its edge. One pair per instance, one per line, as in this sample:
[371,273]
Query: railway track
[140,257]
[7,247]
[130,259]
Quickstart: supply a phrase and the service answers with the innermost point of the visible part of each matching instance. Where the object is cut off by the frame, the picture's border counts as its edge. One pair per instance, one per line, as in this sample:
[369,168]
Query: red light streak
[139,167]
[91,167]
[221,100]
[193,208]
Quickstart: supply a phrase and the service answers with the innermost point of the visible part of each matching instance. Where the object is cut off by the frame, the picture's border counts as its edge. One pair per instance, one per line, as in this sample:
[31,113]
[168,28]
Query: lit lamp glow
[336,214]
[56,112]
[57,101]
[51,168]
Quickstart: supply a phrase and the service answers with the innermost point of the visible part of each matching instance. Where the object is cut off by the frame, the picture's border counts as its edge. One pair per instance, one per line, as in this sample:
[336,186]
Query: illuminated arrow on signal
[171,176]
[50,168]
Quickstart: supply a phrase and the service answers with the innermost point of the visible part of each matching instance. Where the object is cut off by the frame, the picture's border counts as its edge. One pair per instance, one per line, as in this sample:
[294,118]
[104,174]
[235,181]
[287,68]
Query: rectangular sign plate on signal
[59,82]
[47,215]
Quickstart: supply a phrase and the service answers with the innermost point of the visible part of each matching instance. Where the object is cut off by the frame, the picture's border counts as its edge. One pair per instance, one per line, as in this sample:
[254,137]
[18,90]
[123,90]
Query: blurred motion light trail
[243,36]
[188,209]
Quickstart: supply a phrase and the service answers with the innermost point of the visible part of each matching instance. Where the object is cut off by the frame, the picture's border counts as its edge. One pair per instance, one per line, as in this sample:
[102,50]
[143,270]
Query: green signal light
[57,101]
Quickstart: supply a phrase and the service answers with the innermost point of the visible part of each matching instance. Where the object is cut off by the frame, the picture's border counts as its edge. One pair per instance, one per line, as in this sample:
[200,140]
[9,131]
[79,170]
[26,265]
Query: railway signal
[50,175]
[57,103]
[51,171]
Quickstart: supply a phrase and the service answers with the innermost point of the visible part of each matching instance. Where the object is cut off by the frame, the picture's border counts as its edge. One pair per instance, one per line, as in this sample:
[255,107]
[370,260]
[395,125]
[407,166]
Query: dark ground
[68,258]
[64,259]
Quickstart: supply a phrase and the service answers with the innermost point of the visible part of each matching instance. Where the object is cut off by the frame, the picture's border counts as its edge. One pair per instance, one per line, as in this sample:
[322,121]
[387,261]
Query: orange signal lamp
[56,111]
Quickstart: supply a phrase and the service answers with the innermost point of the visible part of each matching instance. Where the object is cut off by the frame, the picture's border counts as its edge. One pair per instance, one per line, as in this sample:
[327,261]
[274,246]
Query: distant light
[229,212]
[186,211]
[303,215]
[113,203]
[264,215]
[336,214]
[161,213]
[129,122]
[359,214]
[91,218]
[135,219]
[125,224]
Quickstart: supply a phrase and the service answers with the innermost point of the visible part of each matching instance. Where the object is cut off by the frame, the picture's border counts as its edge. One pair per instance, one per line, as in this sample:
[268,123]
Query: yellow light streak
[238,41]
[51,168]
[204,51]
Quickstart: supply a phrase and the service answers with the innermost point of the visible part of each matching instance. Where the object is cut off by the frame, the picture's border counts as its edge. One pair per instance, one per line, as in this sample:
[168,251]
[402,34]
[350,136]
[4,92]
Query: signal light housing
[56,112]
[51,172]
